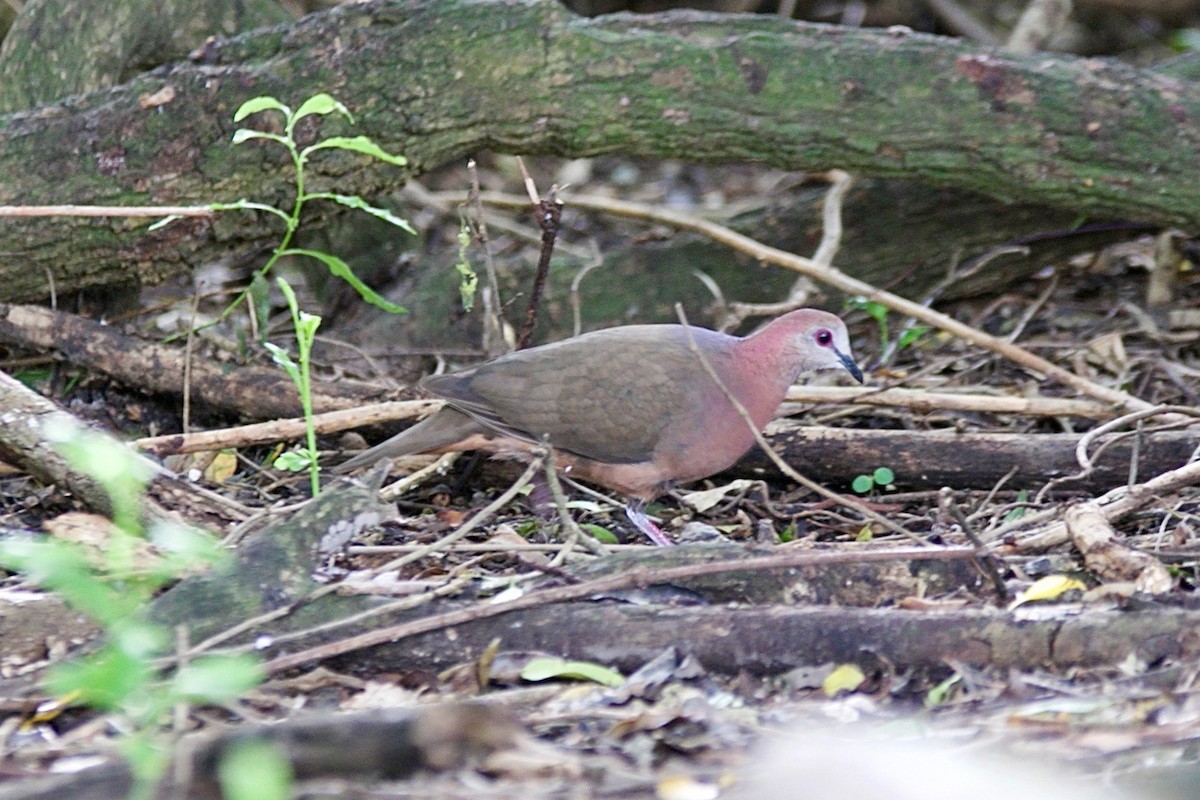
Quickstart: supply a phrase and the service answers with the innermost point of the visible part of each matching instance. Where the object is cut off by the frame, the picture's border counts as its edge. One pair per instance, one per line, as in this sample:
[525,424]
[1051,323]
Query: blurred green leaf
[253,769]
[217,679]
[257,104]
[293,461]
[599,533]
[540,669]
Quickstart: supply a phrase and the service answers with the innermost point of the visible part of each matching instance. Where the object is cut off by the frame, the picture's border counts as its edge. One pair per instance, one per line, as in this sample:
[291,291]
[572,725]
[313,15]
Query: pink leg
[636,511]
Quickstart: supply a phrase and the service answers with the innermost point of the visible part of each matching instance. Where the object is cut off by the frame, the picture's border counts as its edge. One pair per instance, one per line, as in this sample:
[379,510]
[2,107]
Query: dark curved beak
[850,366]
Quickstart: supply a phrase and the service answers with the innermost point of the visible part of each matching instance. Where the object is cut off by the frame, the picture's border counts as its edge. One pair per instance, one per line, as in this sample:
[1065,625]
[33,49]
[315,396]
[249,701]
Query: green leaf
[357,203]
[289,294]
[162,223]
[862,483]
[218,679]
[260,299]
[320,104]
[253,769]
[281,357]
[883,476]
[64,568]
[245,135]
[246,205]
[199,547]
[103,679]
[939,694]
[911,335]
[875,310]
[359,144]
[148,757]
[1014,515]
[599,533]
[32,377]
[294,460]
[342,270]
[540,669]
[306,326]
[257,104]
[1020,511]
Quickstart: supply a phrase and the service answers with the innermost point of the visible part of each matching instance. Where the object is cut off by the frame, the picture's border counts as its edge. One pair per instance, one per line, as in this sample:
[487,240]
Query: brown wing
[606,395]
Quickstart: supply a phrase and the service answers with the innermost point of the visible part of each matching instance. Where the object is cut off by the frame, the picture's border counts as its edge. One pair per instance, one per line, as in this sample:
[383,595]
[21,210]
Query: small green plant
[113,588]
[879,312]
[319,104]
[1014,514]
[305,325]
[881,477]
[468,278]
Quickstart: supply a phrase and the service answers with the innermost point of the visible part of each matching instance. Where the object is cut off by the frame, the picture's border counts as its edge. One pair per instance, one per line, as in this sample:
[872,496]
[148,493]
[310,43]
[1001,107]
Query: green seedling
[319,104]
[882,477]
[879,312]
[305,326]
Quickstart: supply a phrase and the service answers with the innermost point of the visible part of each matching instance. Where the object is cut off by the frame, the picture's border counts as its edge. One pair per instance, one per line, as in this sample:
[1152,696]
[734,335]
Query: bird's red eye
[824,338]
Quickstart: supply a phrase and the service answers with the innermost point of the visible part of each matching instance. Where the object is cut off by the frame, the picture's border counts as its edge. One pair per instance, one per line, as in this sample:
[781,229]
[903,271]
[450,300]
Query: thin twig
[188,351]
[928,402]
[263,432]
[394,490]
[549,212]
[1116,504]
[482,547]
[106,211]
[576,305]
[1085,461]
[986,560]
[569,526]
[493,306]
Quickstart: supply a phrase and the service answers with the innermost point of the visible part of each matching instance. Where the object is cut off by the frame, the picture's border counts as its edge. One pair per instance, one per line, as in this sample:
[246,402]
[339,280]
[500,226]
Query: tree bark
[932,459]
[439,80]
[59,48]
[771,640]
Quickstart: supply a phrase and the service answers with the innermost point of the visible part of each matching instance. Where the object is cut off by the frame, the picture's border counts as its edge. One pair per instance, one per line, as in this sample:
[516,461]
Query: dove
[630,408]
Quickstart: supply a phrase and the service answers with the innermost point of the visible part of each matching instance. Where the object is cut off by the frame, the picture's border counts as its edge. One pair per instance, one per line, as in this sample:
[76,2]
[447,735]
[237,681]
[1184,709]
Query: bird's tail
[440,432]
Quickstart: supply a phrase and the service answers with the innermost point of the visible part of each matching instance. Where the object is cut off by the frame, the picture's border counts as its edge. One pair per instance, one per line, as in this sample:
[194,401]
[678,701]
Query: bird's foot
[637,515]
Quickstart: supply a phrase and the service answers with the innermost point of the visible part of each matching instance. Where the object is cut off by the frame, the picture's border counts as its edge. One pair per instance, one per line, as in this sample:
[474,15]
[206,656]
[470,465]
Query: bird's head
[820,341]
